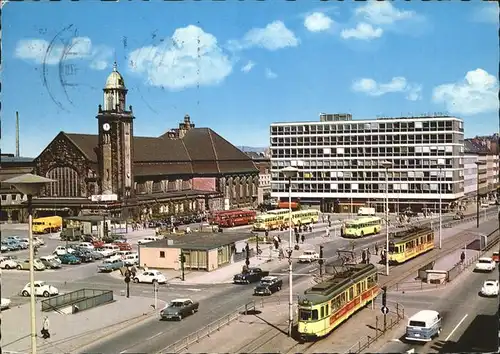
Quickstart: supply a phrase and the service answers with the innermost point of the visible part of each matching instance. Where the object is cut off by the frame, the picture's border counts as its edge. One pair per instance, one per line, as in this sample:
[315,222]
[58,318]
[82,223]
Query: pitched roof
[201,151]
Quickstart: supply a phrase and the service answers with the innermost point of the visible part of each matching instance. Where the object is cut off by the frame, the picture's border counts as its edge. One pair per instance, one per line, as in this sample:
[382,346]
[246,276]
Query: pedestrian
[376,248]
[279,240]
[45,328]
[145,267]
[303,238]
[462,257]
[297,235]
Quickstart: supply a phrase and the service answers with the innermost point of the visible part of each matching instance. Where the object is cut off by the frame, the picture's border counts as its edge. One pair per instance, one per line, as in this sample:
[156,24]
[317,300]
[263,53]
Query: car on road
[83,255]
[490,288]
[308,256]
[485,264]
[251,275]
[268,285]
[178,309]
[150,276]
[60,250]
[7,263]
[5,303]
[51,261]
[147,240]
[109,265]
[41,289]
[423,326]
[25,264]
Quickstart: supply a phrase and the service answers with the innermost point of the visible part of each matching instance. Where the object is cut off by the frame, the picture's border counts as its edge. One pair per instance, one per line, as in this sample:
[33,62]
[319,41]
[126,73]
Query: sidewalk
[72,331]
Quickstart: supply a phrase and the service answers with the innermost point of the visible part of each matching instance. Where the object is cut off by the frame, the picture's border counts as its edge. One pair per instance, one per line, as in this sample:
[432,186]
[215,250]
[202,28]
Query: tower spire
[115,66]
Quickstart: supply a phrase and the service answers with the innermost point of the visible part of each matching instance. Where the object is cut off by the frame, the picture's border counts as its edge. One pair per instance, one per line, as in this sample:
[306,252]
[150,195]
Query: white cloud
[191,58]
[397,84]
[477,93]
[249,66]
[317,22]
[272,37]
[270,74]
[40,51]
[487,13]
[382,13]
[363,31]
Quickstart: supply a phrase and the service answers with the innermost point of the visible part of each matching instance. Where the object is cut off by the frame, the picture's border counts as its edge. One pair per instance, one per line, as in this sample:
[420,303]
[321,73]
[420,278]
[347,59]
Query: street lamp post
[30,185]
[289,173]
[386,165]
[478,201]
[440,208]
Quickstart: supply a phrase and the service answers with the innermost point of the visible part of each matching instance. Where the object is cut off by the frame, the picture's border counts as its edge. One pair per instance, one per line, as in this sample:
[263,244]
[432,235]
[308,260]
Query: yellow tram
[326,305]
[410,243]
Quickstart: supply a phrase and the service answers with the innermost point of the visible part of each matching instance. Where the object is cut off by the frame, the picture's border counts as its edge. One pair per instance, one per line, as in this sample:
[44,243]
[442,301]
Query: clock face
[106,127]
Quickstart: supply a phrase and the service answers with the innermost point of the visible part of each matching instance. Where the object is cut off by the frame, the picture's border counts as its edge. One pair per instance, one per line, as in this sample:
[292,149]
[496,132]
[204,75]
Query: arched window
[67,182]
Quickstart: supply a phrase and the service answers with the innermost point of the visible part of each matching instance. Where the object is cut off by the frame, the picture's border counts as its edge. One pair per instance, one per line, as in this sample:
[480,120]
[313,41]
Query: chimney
[17,134]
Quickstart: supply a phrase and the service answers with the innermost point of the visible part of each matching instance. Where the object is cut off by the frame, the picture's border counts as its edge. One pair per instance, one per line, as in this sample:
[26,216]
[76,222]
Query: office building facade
[340,162]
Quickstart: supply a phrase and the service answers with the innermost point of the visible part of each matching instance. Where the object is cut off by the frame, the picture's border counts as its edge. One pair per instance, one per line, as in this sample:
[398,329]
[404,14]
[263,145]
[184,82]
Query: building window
[4,197]
[162,254]
[67,182]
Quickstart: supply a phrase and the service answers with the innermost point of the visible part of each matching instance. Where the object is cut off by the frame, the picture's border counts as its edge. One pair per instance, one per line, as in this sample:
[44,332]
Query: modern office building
[481,149]
[341,162]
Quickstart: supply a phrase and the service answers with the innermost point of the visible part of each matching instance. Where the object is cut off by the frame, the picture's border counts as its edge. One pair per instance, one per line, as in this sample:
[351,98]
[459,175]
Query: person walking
[303,238]
[45,328]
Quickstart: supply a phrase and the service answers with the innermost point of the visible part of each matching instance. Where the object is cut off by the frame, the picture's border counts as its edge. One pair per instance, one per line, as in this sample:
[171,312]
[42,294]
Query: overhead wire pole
[440,208]
[386,165]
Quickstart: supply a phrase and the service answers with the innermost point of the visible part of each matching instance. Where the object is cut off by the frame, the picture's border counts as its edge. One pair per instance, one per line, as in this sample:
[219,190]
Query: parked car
[108,250]
[5,303]
[178,309]
[41,289]
[150,276]
[268,285]
[51,262]
[4,248]
[485,264]
[61,250]
[131,259]
[123,254]
[84,256]
[490,288]
[123,245]
[252,275]
[69,258]
[7,263]
[86,245]
[25,242]
[109,265]
[13,238]
[11,245]
[308,256]
[98,243]
[96,255]
[25,264]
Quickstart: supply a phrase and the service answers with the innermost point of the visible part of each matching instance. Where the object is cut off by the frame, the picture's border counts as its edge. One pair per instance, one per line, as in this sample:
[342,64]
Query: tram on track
[328,304]
[409,243]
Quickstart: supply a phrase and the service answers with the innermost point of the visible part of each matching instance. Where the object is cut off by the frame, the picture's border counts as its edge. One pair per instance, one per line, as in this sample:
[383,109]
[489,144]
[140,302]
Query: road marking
[156,335]
[454,329]
[396,340]
[191,289]
[411,351]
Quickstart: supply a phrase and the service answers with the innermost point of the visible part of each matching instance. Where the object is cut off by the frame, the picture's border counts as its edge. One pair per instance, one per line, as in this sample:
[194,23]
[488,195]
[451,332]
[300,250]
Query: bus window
[322,311]
[315,315]
[305,315]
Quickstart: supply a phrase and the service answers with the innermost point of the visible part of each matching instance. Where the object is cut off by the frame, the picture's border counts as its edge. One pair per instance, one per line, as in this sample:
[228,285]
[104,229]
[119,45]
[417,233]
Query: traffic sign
[384,310]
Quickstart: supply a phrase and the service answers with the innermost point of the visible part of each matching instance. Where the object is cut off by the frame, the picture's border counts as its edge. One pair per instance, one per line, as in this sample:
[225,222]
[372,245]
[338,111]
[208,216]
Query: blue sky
[238,66]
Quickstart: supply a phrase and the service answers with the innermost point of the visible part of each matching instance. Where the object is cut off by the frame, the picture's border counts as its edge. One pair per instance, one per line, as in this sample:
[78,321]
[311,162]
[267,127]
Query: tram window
[305,315]
[358,288]
[322,311]
[351,293]
[372,280]
[326,310]
[315,315]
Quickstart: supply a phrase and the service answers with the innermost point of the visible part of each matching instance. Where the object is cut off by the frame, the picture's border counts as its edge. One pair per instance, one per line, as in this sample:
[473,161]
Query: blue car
[69,259]
[11,245]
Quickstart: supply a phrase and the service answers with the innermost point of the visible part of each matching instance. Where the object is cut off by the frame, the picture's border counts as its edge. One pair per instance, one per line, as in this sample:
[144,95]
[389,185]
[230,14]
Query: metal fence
[83,299]
[218,324]
[366,341]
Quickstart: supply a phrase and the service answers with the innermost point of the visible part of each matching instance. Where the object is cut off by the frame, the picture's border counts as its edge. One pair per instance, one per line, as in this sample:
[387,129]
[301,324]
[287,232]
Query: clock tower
[115,126]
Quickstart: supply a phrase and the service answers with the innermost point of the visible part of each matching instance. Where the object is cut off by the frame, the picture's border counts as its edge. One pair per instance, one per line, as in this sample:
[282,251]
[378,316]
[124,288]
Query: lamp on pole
[478,201]
[386,165]
[440,207]
[289,173]
[30,185]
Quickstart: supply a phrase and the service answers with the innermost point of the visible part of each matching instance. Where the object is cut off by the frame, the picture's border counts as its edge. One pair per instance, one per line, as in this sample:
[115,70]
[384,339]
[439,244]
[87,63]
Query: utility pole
[127,281]
[155,289]
[384,306]
[182,260]
[320,261]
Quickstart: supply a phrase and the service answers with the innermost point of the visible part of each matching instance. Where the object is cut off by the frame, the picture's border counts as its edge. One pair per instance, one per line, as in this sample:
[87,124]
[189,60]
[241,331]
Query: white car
[5,248]
[7,263]
[490,288]
[25,241]
[106,252]
[86,245]
[131,259]
[147,239]
[308,257]
[61,250]
[485,264]
[41,289]
[5,304]
[150,276]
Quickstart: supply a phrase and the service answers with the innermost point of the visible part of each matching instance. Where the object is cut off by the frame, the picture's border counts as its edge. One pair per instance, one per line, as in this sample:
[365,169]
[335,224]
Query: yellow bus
[363,226]
[47,225]
[327,305]
[304,217]
[410,243]
[269,221]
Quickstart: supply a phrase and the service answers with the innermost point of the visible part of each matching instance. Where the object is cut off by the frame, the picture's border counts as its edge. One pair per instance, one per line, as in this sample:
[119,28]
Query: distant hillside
[252,149]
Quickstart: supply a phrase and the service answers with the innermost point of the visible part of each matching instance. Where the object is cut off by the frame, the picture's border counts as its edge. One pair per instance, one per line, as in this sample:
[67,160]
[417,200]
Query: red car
[124,246]
[98,243]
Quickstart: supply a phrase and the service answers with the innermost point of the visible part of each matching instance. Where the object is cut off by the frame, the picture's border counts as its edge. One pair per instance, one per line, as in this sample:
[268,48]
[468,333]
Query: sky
[238,66]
